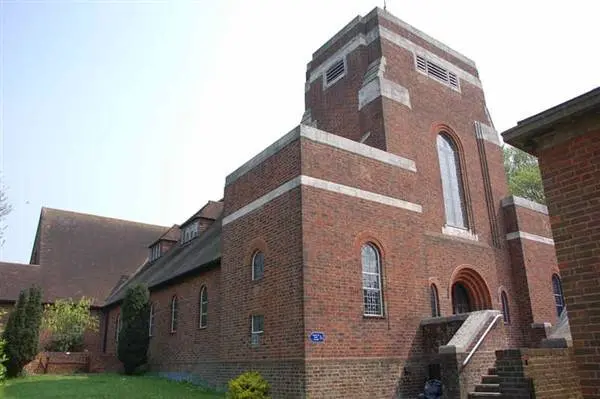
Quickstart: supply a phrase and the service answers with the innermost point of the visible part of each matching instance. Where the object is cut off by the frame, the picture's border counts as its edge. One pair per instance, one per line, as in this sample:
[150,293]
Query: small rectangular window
[335,72]
[258,325]
[189,232]
[436,71]
[155,252]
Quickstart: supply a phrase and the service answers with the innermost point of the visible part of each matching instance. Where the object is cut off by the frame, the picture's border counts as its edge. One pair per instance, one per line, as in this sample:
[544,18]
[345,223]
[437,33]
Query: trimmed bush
[249,385]
[23,331]
[133,338]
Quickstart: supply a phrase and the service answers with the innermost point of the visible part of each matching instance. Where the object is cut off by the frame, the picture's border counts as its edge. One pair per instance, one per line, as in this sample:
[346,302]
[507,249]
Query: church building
[373,246]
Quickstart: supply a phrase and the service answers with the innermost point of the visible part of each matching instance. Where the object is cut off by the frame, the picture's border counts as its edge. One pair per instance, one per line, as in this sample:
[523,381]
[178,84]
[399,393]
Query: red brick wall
[190,346]
[276,230]
[539,373]
[533,265]
[190,349]
[571,176]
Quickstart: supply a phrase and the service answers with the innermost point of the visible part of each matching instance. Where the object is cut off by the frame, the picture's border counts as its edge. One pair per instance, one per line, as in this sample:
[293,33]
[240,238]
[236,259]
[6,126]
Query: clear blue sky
[139,110]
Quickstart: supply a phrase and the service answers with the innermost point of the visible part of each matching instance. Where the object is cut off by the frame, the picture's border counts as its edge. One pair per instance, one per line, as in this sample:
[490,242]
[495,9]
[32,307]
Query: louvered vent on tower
[335,72]
[435,71]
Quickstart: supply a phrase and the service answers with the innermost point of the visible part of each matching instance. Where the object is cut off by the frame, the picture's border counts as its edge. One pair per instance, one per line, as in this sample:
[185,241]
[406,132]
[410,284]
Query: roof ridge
[45,209]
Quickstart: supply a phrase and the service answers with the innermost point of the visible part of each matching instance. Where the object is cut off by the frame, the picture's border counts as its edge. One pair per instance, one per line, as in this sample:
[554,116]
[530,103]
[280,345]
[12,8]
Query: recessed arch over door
[469,292]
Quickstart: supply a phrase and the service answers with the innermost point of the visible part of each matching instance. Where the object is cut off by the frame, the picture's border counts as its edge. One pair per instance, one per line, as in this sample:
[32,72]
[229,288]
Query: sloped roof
[85,255]
[173,234]
[212,210]
[202,251]
[15,277]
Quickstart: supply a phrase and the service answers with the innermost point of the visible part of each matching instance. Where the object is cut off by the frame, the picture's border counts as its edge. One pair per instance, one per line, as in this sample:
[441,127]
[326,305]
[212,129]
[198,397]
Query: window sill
[459,232]
[373,316]
[202,328]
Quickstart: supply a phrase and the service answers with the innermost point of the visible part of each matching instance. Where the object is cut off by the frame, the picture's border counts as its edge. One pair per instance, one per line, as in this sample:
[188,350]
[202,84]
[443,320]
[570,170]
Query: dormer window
[155,251]
[189,232]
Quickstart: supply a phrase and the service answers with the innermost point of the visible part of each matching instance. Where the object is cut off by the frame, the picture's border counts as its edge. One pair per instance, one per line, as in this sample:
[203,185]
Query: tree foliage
[133,338]
[5,209]
[23,330]
[523,174]
[67,321]
[3,357]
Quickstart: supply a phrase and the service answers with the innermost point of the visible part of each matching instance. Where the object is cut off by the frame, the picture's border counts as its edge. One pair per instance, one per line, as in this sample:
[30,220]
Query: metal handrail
[480,341]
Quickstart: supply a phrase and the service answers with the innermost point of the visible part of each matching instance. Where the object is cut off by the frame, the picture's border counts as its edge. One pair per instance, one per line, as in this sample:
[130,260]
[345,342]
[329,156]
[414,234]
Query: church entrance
[461,302]
[469,292]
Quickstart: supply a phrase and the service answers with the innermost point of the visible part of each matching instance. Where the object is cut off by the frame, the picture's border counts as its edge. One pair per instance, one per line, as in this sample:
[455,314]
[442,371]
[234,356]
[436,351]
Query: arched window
[174,314]
[505,309]
[460,299]
[452,186]
[203,307]
[435,301]
[371,271]
[559,299]
[258,265]
[117,328]
[151,320]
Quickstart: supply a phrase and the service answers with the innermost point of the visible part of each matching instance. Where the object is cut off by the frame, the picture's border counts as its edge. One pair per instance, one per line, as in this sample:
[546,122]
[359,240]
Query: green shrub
[22,331]
[249,385]
[133,344]
[67,321]
[3,359]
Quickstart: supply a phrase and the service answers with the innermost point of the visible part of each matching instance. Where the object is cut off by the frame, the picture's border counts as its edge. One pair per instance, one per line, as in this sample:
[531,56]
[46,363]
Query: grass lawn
[95,386]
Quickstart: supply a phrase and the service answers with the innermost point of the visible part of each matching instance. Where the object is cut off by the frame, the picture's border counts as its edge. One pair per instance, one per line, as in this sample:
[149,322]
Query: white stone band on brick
[375,85]
[362,194]
[410,46]
[353,44]
[424,36]
[322,137]
[324,185]
[258,203]
[528,236]
[364,40]
[524,203]
[355,147]
[487,133]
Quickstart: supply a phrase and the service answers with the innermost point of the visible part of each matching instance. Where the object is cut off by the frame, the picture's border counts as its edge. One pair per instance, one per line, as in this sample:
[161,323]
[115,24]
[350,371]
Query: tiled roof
[85,255]
[173,234]
[16,276]
[202,251]
[212,210]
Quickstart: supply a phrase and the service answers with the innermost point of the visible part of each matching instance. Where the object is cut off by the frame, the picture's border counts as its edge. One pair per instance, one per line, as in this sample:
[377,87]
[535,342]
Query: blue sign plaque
[317,337]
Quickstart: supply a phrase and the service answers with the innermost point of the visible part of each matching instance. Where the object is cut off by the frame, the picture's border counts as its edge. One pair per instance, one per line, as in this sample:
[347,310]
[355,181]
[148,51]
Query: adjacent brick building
[364,251]
[566,139]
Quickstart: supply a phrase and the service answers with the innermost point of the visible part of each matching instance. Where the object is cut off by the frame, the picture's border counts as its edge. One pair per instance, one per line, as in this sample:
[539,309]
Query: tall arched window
[371,271]
[174,314]
[435,301]
[258,265]
[151,320]
[203,307]
[452,186]
[505,309]
[117,328]
[559,298]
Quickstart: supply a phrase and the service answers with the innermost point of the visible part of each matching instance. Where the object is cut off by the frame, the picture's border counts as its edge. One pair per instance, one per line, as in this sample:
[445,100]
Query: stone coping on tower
[397,21]
[524,203]
[320,136]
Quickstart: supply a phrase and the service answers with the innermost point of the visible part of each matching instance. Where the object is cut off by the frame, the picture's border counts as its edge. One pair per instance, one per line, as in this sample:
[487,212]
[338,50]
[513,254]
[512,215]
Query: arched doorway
[469,292]
[461,303]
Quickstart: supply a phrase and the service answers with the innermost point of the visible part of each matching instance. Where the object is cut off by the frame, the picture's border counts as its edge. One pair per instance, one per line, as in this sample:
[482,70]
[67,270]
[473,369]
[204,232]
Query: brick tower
[382,211]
